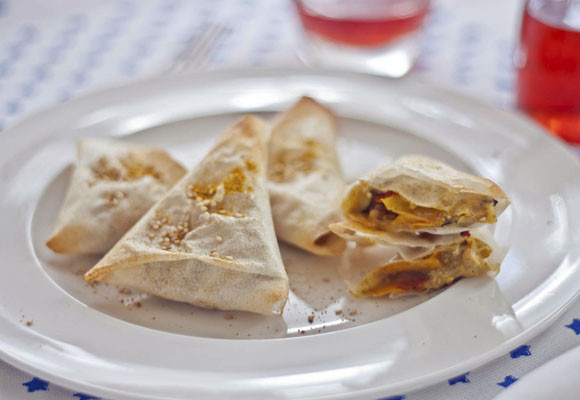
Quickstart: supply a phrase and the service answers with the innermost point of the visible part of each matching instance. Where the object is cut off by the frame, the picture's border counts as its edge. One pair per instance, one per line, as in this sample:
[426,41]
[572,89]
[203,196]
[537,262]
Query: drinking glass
[548,65]
[374,36]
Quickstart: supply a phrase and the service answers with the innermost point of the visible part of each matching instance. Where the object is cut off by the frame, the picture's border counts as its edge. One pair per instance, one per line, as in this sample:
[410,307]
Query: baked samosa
[306,182]
[113,185]
[420,194]
[210,241]
[468,256]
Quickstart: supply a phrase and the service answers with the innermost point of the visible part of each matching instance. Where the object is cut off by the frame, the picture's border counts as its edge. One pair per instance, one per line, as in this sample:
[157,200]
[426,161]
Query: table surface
[54,51]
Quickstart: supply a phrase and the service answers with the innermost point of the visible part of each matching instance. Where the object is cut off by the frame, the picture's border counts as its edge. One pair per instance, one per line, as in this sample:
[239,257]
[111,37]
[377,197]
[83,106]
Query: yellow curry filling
[391,211]
[442,267]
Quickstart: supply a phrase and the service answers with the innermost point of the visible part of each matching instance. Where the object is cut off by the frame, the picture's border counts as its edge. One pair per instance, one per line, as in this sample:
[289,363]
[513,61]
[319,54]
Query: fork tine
[194,46]
[202,59]
[197,47]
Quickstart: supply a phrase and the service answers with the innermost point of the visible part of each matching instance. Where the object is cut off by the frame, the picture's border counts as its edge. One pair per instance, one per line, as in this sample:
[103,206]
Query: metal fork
[195,54]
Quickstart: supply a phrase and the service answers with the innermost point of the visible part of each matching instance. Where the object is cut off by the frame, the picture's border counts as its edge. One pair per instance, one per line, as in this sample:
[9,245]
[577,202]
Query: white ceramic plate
[100,341]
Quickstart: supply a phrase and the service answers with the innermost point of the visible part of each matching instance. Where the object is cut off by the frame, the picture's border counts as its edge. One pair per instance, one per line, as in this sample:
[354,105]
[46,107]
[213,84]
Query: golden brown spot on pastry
[251,166]
[134,169]
[235,181]
[288,164]
[102,170]
[204,192]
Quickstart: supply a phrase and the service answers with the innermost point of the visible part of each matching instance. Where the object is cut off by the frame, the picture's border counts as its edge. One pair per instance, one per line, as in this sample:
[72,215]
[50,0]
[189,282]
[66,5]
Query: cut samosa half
[417,193]
[468,257]
[114,183]
[306,182]
[210,241]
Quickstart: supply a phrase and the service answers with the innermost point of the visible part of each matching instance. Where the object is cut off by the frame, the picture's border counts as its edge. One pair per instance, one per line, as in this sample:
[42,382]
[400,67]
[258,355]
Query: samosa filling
[442,267]
[391,211]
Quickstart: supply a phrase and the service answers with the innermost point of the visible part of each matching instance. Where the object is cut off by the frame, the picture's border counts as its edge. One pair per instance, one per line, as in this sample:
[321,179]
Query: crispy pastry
[468,256]
[114,183]
[210,241]
[420,194]
[306,183]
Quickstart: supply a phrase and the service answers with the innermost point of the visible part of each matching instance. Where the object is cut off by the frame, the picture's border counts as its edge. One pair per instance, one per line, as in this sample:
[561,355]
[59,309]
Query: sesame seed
[238,215]
[219,239]
[229,258]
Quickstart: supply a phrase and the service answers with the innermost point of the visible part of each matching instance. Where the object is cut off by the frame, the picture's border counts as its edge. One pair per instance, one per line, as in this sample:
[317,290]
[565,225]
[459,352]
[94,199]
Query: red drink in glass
[548,62]
[375,36]
[377,28]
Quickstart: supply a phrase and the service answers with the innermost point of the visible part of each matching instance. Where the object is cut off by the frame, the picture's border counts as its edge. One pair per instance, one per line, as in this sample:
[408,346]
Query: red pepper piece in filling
[465,234]
[377,196]
[410,280]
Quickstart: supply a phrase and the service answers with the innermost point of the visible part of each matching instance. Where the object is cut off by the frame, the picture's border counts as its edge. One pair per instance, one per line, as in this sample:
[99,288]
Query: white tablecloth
[52,51]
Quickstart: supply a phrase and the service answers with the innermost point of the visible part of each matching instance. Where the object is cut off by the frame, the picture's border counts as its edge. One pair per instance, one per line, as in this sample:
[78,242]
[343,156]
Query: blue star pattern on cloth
[507,381]
[522,351]
[459,379]
[575,326]
[36,384]
[82,396]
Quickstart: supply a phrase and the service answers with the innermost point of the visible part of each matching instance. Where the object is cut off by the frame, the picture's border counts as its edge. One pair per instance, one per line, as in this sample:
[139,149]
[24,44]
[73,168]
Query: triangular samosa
[210,241]
[113,185]
[306,183]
